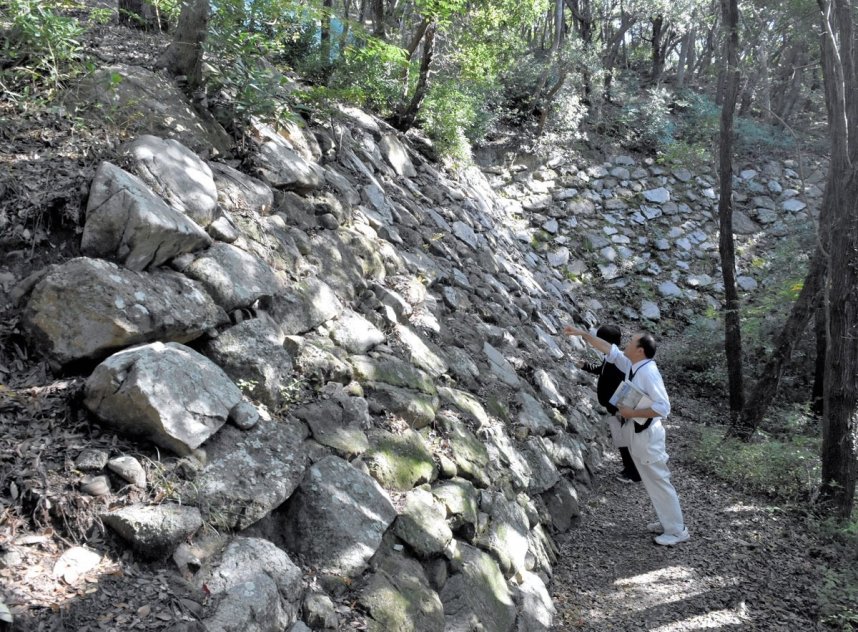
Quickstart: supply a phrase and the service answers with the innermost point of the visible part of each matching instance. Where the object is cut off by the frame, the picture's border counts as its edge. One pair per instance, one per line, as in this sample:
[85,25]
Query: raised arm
[597,343]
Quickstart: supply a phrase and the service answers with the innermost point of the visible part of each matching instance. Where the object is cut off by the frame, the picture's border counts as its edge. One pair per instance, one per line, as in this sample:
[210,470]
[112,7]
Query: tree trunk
[687,43]
[141,14]
[765,83]
[657,61]
[840,407]
[817,399]
[325,33]
[184,56]
[378,18]
[732,325]
[767,384]
[558,25]
[404,120]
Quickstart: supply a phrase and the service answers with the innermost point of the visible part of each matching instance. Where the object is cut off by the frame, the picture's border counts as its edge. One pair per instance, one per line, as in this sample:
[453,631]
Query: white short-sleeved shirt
[647,378]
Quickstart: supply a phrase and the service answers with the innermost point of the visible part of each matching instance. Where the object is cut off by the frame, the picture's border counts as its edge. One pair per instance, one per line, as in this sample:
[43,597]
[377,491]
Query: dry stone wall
[354,355]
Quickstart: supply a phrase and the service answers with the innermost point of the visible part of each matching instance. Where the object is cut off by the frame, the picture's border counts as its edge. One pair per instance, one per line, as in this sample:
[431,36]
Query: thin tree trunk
[732,323]
[325,32]
[378,18]
[840,408]
[657,63]
[184,55]
[765,83]
[817,399]
[767,384]
[687,43]
[405,119]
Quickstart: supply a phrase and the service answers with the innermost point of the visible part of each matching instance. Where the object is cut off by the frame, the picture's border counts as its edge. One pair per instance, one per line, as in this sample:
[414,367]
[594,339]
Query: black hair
[647,343]
[610,333]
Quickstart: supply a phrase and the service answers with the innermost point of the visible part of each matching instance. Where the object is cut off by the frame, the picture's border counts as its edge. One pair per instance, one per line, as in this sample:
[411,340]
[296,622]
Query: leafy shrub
[370,73]
[787,469]
[643,122]
[41,43]
[448,114]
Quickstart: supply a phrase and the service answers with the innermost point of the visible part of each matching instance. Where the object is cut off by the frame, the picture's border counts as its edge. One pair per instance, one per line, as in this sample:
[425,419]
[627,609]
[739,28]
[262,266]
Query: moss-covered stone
[399,461]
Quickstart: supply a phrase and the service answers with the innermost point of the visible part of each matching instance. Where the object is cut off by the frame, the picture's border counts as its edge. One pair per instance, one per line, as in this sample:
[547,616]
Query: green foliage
[448,115]
[370,72]
[643,123]
[43,45]
[700,357]
[787,469]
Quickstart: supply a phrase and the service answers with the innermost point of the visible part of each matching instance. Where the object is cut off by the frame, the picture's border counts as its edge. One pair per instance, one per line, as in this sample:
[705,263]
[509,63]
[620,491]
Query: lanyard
[633,373]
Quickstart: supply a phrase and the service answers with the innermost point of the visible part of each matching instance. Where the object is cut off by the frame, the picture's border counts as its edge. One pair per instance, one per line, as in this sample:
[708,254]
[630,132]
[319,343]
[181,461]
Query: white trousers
[650,457]
[617,435]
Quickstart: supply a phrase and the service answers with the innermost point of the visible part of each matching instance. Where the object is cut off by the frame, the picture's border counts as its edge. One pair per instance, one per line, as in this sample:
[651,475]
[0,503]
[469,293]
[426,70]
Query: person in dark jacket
[610,377]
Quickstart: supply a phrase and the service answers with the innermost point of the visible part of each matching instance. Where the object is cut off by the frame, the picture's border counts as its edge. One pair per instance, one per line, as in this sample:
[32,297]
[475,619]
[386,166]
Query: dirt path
[748,566]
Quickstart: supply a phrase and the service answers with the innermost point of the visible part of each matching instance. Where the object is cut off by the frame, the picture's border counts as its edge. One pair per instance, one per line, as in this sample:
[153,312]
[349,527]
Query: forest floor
[750,564]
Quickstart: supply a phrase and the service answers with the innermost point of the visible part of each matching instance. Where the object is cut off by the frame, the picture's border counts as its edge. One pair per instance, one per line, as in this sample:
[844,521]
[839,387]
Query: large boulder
[167,393]
[88,308]
[154,531]
[476,591]
[233,277]
[127,222]
[148,103]
[259,587]
[337,517]
[176,174]
[252,354]
[248,473]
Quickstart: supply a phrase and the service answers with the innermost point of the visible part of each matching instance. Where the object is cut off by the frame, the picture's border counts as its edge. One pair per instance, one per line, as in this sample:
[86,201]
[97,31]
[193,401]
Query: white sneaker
[655,527]
[669,539]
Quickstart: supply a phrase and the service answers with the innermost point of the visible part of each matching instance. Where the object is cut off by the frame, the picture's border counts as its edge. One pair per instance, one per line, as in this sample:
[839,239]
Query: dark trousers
[629,469]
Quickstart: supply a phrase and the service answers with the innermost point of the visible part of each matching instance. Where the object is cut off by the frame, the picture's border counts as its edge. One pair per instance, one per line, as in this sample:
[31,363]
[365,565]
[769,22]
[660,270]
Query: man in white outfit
[646,434]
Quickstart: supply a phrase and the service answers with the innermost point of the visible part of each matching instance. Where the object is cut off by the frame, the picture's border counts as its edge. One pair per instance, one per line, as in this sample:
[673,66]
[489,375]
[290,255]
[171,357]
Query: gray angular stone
[392,371]
[532,416]
[238,192]
[505,535]
[176,174]
[657,196]
[544,472]
[87,308]
[284,168]
[466,403]
[396,154]
[252,354]
[334,426]
[669,289]
[399,598]
[154,531]
[167,393]
[305,306]
[129,469]
[126,221]
[420,353]
[248,473]
[536,611]
[421,524]
[650,311]
[336,518]
[500,366]
[468,452]
[354,333]
[476,591]
[399,461]
[233,277]
[562,504]
[461,500]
